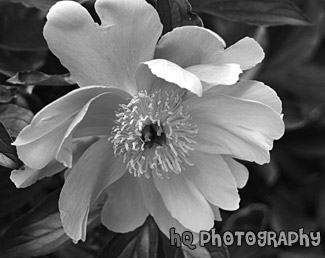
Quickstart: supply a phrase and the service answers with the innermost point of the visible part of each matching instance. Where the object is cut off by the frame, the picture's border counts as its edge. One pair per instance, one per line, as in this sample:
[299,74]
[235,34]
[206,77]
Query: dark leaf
[15,118]
[7,93]
[39,78]
[307,81]
[12,199]
[24,35]
[175,13]
[11,62]
[142,243]
[297,44]
[95,242]
[198,252]
[40,231]
[8,153]
[251,218]
[307,142]
[260,13]
[169,250]
[21,29]
[290,213]
[217,252]
[299,114]
[22,45]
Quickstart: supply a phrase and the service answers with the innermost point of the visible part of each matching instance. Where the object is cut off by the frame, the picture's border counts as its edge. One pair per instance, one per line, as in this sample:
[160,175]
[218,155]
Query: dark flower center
[151,134]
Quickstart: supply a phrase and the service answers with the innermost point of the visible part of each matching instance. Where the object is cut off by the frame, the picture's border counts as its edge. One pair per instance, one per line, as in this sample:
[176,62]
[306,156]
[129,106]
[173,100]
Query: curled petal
[216,74]
[250,90]
[190,45]
[106,54]
[124,210]
[61,110]
[173,73]
[49,135]
[39,153]
[25,177]
[151,83]
[241,128]
[213,178]
[96,169]
[246,52]
[185,202]
[216,212]
[238,170]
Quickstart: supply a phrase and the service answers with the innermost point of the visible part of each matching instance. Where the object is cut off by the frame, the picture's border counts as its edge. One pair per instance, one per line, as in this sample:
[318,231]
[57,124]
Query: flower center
[154,132]
[151,134]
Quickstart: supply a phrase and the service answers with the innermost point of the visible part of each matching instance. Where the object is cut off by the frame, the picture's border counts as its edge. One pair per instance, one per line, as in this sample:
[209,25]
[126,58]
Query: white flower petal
[48,137]
[213,178]
[190,45]
[216,74]
[124,210]
[40,152]
[158,210]
[185,202]
[241,128]
[238,170]
[106,54]
[61,110]
[250,90]
[25,177]
[216,212]
[246,52]
[96,169]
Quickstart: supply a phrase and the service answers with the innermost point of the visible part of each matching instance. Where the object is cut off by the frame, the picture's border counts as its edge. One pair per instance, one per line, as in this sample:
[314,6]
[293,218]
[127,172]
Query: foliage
[285,194]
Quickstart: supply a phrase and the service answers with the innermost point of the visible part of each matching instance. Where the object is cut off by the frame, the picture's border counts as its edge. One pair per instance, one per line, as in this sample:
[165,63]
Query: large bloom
[158,127]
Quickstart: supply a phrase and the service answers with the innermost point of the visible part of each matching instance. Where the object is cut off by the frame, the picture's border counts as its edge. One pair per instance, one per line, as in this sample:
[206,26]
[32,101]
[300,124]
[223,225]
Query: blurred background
[286,194]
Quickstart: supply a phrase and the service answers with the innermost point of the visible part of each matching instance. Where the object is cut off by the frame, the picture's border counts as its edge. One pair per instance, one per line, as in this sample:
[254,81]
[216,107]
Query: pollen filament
[154,133]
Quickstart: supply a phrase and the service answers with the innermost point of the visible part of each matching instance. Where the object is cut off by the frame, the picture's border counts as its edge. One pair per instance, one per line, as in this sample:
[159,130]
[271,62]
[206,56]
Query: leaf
[24,35]
[21,29]
[307,81]
[142,243]
[7,93]
[307,142]
[198,252]
[253,217]
[22,45]
[253,12]
[298,44]
[217,252]
[12,199]
[170,251]
[95,241]
[15,118]
[8,153]
[40,231]
[289,211]
[38,78]
[175,13]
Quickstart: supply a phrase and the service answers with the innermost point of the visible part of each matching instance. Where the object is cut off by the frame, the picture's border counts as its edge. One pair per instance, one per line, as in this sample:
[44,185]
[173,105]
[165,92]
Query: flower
[155,125]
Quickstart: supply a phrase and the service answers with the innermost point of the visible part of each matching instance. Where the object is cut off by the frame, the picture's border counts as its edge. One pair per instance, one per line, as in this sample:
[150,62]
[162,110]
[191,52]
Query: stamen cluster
[154,132]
